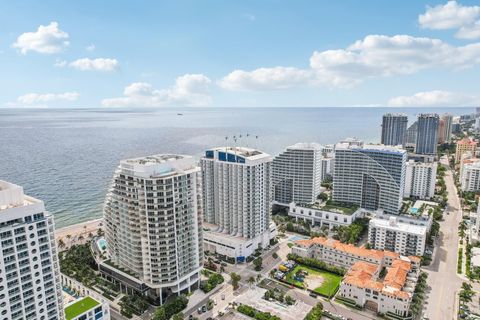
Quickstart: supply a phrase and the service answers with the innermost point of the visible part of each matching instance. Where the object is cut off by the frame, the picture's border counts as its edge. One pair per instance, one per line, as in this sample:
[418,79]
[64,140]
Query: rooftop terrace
[332,206]
[79,307]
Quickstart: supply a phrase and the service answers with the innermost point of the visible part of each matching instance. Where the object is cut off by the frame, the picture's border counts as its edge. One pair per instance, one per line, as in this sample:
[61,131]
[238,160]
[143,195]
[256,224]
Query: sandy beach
[77,230]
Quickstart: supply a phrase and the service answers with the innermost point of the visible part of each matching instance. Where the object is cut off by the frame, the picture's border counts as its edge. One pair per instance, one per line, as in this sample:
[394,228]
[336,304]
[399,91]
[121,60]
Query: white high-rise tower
[237,194]
[30,285]
[153,226]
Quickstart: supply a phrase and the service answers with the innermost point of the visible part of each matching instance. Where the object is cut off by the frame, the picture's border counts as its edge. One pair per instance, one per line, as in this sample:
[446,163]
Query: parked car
[313,294]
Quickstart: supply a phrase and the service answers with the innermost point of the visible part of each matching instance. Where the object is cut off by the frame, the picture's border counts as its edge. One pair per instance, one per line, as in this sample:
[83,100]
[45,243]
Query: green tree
[258,263]
[235,280]
[61,243]
[251,281]
[178,316]
[315,313]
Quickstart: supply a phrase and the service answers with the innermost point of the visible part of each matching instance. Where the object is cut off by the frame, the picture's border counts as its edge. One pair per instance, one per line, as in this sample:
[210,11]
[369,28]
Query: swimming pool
[297,237]
[102,244]
[413,210]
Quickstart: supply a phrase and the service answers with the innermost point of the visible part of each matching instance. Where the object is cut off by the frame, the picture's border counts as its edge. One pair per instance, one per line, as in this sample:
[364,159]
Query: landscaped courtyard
[322,282]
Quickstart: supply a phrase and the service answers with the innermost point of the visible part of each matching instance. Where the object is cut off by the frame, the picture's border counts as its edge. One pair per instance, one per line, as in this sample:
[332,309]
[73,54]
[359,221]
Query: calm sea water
[67,157]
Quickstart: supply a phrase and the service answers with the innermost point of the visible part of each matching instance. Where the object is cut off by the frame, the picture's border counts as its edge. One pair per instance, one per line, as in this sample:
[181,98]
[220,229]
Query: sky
[107,54]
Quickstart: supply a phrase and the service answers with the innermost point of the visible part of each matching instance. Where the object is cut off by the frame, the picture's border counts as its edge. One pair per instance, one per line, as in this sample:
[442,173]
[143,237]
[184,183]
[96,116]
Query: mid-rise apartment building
[370,176]
[298,173]
[30,285]
[463,146]
[237,196]
[153,226]
[470,175]
[402,234]
[420,178]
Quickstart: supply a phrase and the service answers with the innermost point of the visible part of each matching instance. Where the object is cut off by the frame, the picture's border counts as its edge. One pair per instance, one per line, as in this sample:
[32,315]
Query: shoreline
[82,228]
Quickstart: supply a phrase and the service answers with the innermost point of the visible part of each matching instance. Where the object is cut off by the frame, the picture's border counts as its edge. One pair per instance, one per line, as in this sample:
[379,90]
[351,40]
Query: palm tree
[61,243]
[80,238]
[235,280]
[90,235]
[251,281]
[259,277]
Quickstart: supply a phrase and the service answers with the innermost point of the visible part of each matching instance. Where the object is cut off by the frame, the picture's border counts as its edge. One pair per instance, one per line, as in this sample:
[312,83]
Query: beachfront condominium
[30,285]
[297,173]
[427,133]
[153,228]
[371,176]
[237,195]
[394,129]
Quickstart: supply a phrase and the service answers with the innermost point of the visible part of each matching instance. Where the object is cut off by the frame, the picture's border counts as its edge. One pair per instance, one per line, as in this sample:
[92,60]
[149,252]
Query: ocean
[66,157]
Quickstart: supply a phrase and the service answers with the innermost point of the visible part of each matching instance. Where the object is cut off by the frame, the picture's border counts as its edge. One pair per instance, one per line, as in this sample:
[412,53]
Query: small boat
[179,114]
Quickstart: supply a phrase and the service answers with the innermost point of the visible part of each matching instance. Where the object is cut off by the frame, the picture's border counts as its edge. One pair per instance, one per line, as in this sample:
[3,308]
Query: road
[443,280]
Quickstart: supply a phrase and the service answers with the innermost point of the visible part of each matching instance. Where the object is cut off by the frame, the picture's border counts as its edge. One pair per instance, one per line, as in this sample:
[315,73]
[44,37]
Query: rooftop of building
[371,147]
[428,115]
[158,165]
[12,196]
[365,275]
[306,146]
[395,114]
[348,248]
[332,206]
[247,153]
[155,159]
[467,141]
[79,307]
[395,224]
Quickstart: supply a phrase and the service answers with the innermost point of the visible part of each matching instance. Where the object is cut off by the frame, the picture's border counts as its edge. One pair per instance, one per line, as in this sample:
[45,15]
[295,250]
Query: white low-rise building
[320,215]
[420,178]
[406,235]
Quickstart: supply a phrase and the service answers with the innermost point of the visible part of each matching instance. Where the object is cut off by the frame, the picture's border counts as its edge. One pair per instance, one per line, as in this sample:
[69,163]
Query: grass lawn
[327,287]
[79,307]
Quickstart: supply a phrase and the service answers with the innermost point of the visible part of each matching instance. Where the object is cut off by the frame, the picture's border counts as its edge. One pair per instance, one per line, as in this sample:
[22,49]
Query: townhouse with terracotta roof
[365,284]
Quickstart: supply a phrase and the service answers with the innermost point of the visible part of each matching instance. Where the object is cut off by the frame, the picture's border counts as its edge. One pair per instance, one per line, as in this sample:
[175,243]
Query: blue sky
[239,53]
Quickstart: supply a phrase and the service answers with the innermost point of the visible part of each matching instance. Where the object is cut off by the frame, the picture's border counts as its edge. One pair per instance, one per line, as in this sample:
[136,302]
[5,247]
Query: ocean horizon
[66,157]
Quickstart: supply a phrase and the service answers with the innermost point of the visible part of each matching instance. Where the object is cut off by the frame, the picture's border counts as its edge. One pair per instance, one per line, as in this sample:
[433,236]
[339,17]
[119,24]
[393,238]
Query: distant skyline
[239,53]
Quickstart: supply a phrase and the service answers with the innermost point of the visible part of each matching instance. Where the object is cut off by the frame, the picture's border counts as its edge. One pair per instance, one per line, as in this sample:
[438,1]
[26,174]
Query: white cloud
[469,32]
[42,99]
[99,64]
[189,90]
[266,79]
[436,98]
[90,47]
[453,15]
[373,56]
[47,39]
